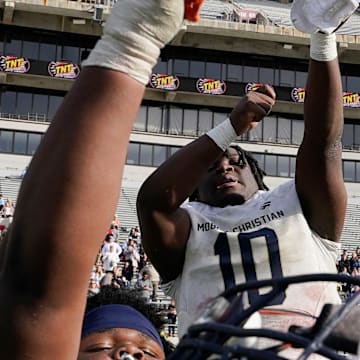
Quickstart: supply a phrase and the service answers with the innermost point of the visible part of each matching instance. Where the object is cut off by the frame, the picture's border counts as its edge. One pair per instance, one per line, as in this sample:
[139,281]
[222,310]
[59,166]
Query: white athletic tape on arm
[223,134]
[134,33]
[323,47]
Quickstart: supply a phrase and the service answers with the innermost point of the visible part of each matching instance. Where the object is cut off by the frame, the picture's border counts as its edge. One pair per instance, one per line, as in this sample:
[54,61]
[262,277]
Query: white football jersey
[266,237]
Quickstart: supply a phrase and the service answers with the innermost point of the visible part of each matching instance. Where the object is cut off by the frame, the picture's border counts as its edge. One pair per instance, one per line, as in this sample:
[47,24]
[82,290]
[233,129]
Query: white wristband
[134,33]
[223,134]
[323,47]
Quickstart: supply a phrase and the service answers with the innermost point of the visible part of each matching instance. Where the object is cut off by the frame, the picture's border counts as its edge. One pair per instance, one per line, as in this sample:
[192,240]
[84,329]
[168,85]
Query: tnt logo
[62,69]
[14,64]
[298,95]
[351,100]
[210,86]
[164,82]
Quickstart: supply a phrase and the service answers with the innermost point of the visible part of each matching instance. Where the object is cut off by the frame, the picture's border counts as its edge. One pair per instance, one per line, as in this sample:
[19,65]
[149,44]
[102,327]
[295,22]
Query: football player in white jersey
[235,231]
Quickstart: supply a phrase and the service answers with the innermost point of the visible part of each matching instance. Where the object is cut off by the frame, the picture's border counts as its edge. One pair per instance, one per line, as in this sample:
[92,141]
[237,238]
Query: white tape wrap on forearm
[323,47]
[223,134]
[134,33]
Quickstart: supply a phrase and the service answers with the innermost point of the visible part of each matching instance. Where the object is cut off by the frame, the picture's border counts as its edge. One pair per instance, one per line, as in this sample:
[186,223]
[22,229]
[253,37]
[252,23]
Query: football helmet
[229,330]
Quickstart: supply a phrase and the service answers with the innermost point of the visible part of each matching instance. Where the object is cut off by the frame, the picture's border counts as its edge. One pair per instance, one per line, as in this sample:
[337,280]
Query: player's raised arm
[57,230]
[164,225]
[319,177]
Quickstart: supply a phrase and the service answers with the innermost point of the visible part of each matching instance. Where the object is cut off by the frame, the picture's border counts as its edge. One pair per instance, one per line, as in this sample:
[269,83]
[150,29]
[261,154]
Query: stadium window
[8,102]
[283,166]
[154,119]
[205,121]
[257,133]
[190,122]
[234,73]
[269,129]
[145,154]
[197,69]
[292,166]
[353,84]
[159,154]
[181,67]
[349,170]
[348,136]
[13,47]
[20,140]
[251,74]
[40,104]
[300,78]
[357,137]
[283,130]
[357,168]
[54,103]
[33,143]
[344,82]
[6,141]
[287,77]
[175,123]
[260,158]
[71,54]
[133,154]
[173,150]
[140,121]
[297,132]
[160,67]
[266,75]
[30,49]
[213,70]
[270,165]
[24,103]
[47,52]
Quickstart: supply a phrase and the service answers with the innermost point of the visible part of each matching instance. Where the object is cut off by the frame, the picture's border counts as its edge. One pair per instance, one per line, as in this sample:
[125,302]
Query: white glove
[326,16]
[134,33]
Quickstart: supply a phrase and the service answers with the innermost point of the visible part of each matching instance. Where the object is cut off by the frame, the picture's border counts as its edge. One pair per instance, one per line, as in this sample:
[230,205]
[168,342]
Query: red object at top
[192,9]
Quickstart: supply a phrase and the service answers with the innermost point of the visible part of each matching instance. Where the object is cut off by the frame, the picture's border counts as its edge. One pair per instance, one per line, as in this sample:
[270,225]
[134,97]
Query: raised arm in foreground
[48,259]
[319,178]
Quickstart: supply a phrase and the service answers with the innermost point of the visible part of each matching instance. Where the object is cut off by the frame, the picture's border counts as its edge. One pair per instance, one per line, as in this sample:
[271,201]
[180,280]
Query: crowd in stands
[124,264]
[348,263]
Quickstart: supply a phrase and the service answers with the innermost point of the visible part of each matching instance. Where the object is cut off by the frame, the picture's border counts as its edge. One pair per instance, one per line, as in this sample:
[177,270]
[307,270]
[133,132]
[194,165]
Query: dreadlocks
[245,157]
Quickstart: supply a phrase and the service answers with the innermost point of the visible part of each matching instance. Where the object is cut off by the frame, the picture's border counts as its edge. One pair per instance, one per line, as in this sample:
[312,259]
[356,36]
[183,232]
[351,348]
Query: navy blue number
[222,248]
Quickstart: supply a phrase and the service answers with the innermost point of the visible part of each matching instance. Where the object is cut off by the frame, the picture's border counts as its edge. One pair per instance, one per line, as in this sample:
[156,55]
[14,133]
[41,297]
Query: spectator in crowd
[144,286]
[118,280]
[110,259]
[8,209]
[354,262]
[97,274]
[135,234]
[343,262]
[172,318]
[128,272]
[94,288]
[115,222]
[2,202]
[154,278]
[131,254]
[41,314]
[234,230]
[110,242]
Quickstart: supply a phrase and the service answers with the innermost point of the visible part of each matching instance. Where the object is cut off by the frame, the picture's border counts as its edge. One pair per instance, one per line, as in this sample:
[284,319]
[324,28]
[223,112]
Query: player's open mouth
[226,183]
